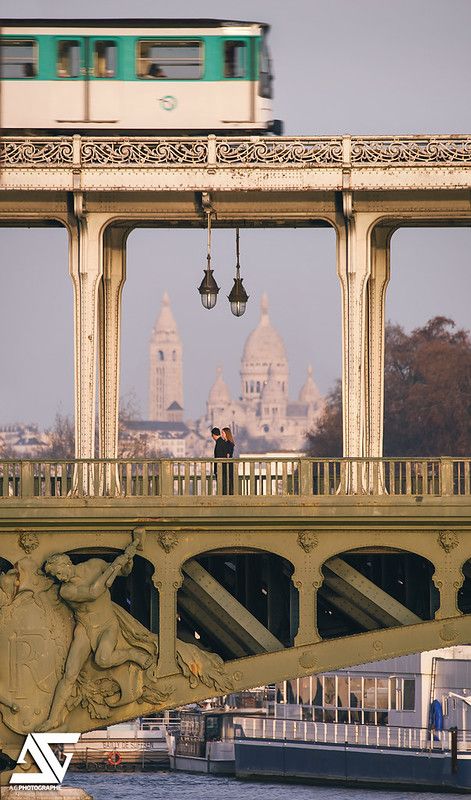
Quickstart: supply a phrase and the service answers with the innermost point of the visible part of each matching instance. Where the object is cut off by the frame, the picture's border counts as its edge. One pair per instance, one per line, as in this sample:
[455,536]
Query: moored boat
[402,723]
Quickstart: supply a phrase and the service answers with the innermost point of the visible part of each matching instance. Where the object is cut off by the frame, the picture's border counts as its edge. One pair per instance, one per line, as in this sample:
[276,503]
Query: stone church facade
[264,414]
[262,418]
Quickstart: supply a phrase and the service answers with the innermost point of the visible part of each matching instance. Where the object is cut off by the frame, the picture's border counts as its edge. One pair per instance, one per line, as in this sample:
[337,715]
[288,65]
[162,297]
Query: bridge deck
[316,163]
[263,490]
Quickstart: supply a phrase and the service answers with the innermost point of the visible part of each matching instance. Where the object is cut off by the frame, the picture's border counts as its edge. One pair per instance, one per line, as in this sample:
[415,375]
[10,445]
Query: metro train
[164,76]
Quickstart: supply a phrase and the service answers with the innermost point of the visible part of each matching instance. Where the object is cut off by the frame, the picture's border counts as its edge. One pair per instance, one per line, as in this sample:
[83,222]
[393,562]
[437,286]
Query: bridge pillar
[167,583]
[363,270]
[86,269]
[376,297]
[448,579]
[308,583]
[114,276]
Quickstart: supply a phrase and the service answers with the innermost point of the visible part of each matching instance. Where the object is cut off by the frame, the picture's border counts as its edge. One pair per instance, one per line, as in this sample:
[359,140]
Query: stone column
[86,269]
[354,266]
[376,297]
[449,576]
[308,584]
[114,276]
[167,582]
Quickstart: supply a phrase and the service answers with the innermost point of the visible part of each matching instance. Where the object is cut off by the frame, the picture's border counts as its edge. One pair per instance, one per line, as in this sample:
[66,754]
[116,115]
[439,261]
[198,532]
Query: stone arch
[372,588]
[396,544]
[238,602]
[464,592]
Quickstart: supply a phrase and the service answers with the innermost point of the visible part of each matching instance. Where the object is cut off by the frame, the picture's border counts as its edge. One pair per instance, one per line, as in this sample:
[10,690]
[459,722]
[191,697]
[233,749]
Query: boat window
[382,693]
[408,703]
[235,59]
[292,688]
[68,58]
[213,728]
[265,70]
[355,699]
[330,698]
[394,690]
[104,64]
[18,59]
[169,60]
[304,691]
[342,692]
[369,693]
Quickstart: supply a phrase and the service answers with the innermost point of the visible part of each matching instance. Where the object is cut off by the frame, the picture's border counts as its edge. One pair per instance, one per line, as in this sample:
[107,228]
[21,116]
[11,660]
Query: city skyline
[429,274]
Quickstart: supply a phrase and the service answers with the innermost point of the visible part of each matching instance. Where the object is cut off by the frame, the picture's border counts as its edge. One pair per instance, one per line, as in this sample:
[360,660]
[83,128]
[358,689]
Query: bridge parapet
[243,478]
[210,163]
[345,151]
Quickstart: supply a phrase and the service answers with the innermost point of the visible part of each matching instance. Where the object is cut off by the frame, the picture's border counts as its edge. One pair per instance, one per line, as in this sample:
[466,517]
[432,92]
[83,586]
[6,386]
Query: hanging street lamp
[238,296]
[208,287]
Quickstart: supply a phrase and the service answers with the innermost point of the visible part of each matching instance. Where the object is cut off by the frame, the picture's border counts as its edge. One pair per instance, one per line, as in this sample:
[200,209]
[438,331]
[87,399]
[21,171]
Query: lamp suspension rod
[209,234]
[237,251]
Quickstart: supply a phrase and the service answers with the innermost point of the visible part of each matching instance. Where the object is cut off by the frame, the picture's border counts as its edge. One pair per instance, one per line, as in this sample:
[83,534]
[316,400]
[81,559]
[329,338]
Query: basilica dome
[264,349]
[309,393]
[219,394]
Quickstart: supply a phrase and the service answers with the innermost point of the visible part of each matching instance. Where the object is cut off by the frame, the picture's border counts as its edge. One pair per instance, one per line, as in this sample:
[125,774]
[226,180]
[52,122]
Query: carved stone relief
[167,540]
[28,541]
[448,540]
[308,540]
[72,650]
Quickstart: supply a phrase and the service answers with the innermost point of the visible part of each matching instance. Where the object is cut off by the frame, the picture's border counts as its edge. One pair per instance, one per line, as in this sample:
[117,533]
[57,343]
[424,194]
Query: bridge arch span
[239,601]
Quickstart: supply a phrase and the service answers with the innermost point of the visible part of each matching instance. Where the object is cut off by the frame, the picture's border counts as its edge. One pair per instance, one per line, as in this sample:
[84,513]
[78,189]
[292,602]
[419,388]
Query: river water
[183,786]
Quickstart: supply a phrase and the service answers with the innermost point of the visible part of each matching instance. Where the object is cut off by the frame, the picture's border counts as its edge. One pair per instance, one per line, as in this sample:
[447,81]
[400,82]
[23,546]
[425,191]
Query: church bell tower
[165,368]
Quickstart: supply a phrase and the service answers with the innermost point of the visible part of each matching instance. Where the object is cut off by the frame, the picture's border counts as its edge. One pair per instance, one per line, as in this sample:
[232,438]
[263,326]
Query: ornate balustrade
[210,151]
[238,478]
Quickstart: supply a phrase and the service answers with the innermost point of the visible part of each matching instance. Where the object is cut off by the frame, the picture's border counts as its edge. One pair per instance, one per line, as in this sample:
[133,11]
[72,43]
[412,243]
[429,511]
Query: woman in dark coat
[226,434]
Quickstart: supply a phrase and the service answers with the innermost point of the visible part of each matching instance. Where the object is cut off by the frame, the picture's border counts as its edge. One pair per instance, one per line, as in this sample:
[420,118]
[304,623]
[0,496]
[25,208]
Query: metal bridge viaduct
[311,564]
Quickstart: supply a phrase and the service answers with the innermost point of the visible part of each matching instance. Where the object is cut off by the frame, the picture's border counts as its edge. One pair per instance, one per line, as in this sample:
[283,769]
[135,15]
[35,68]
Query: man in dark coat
[220,451]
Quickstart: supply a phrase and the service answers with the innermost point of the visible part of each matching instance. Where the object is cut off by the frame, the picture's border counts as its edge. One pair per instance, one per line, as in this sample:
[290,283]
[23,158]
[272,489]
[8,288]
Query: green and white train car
[137,76]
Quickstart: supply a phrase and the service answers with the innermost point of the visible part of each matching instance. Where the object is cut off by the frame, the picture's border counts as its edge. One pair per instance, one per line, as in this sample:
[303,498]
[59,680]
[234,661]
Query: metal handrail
[346,734]
[255,476]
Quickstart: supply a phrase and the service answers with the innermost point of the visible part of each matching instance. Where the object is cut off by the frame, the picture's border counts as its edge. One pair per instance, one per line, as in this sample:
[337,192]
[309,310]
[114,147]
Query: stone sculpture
[72,649]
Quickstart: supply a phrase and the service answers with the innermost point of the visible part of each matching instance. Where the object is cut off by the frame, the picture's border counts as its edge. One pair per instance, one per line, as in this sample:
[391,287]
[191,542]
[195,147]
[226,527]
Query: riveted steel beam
[375,600]
[211,624]
[208,591]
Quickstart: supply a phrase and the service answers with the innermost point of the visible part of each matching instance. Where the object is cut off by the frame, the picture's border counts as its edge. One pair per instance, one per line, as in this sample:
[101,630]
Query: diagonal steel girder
[210,623]
[366,596]
[240,627]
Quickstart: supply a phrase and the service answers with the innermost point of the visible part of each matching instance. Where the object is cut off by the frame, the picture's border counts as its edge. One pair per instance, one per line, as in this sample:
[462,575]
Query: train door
[69,97]
[237,99]
[104,87]
[86,88]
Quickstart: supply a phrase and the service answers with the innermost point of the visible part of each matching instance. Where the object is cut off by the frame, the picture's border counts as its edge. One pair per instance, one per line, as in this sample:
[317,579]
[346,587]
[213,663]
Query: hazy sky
[347,66]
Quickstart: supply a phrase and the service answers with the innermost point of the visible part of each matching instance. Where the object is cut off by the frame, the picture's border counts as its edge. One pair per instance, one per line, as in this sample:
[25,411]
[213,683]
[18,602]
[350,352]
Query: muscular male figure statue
[85,589]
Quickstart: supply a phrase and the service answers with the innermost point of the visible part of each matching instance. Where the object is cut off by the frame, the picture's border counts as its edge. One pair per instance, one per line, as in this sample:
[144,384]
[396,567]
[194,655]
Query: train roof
[129,22]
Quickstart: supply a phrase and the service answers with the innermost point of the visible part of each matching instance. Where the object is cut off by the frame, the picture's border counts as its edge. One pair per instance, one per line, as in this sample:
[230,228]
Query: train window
[68,58]
[266,75]
[18,59]
[169,60]
[104,64]
[235,59]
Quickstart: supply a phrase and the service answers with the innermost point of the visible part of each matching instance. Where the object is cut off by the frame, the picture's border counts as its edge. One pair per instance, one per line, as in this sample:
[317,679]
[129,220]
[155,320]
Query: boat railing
[255,477]
[338,733]
[169,722]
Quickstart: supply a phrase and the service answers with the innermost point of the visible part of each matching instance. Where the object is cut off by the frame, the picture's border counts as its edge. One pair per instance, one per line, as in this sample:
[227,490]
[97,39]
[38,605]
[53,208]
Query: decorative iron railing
[258,478]
[77,152]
